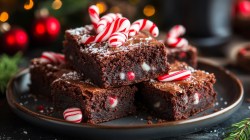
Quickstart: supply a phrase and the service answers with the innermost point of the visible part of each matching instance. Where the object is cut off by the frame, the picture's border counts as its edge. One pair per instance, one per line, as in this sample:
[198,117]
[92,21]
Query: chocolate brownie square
[139,59]
[176,100]
[97,104]
[43,73]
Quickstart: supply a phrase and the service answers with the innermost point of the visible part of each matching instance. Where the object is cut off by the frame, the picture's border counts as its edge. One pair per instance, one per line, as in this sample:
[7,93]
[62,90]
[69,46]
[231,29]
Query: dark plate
[229,99]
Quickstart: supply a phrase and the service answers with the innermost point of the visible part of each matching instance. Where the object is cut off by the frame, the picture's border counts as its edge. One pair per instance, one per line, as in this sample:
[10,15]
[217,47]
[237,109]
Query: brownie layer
[186,54]
[141,58]
[180,99]
[97,104]
[43,74]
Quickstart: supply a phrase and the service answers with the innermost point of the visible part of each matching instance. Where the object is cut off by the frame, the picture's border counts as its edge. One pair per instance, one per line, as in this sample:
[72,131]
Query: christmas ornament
[46,29]
[13,40]
[243,8]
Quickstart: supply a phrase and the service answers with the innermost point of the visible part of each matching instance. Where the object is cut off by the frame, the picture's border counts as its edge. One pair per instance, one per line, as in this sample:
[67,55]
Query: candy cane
[175,76]
[176,31]
[143,24]
[94,15]
[105,20]
[52,57]
[177,42]
[73,115]
[119,25]
[117,39]
[173,35]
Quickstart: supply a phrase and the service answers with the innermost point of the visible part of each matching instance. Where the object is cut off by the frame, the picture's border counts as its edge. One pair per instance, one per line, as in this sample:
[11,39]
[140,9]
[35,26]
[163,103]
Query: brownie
[187,54]
[178,100]
[243,58]
[139,59]
[43,74]
[97,104]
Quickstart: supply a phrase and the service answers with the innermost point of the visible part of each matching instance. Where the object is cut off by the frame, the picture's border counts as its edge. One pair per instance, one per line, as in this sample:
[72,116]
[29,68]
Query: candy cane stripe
[174,76]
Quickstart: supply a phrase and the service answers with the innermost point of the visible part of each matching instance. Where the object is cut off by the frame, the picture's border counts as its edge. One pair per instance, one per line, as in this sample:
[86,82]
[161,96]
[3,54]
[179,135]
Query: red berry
[131,75]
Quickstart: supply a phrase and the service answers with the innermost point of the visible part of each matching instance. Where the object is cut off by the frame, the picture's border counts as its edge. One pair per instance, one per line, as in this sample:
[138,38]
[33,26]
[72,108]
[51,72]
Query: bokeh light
[102,7]
[4,16]
[57,4]
[149,10]
[28,5]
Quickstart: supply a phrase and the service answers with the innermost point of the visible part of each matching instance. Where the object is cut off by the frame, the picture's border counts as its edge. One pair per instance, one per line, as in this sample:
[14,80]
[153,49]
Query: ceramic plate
[26,105]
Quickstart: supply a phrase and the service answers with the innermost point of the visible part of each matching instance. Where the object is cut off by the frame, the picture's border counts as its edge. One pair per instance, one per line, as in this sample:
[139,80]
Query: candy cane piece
[105,20]
[175,76]
[176,31]
[73,115]
[52,57]
[143,24]
[177,42]
[88,39]
[94,15]
[119,25]
[117,39]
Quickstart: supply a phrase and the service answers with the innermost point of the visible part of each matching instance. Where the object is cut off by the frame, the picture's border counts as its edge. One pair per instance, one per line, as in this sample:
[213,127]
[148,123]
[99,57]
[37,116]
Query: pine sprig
[8,67]
[239,131]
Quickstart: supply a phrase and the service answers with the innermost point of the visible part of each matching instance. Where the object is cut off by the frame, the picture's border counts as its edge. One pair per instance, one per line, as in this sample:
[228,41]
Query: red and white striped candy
[175,76]
[177,42]
[117,39]
[105,20]
[119,25]
[52,57]
[73,115]
[176,31]
[173,35]
[88,39]
[94,15]
[113,101]
[143,24]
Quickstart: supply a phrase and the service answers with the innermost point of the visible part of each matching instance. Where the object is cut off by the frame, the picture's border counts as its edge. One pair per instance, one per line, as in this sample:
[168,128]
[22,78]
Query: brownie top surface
[142,39]
[198,77]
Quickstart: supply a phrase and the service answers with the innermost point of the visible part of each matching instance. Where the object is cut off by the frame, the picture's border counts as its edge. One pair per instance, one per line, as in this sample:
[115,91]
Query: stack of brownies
[102,81]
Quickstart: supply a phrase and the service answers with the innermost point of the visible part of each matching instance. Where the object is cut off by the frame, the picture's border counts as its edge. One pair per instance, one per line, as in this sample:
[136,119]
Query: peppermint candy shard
[73,115]
[51,57]
[175,76]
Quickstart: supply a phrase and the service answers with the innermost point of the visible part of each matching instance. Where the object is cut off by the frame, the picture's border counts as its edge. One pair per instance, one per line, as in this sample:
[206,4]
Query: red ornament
[243,8]
[14,40]
[46,29]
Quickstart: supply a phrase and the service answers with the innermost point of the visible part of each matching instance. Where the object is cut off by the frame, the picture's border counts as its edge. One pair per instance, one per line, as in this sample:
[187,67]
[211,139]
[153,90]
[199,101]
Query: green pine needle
[239,131]
[8,67]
